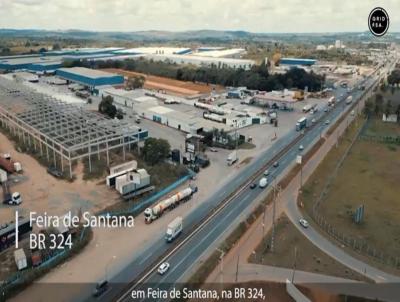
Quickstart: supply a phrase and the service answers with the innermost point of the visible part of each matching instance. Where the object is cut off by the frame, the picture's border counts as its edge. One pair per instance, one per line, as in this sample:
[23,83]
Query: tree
[368,107]
[107,107]
[56,46]
[155,150]
[135,82]
[388,107]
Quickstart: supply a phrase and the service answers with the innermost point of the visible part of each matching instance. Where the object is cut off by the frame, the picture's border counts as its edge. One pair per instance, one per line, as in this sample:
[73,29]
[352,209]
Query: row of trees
[257,77]
[378,106]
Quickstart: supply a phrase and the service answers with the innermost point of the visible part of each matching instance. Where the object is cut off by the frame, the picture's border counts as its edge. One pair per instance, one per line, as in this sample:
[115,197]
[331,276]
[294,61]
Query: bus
[301,124]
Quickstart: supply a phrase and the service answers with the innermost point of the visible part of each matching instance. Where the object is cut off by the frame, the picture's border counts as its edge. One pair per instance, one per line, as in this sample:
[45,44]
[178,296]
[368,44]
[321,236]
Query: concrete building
[89,77]
[155,51]
[222,53]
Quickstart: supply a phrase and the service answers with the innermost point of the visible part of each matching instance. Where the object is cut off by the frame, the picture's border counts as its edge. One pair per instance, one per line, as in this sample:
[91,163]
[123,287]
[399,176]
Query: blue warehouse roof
[297,61]
[90,77]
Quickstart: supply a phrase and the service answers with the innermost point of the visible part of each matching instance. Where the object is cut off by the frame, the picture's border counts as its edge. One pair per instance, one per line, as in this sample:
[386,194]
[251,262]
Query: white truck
[232,158]
[307,108]
[20,259]
[349,100]
[174,228]
[158,209]
[263,182]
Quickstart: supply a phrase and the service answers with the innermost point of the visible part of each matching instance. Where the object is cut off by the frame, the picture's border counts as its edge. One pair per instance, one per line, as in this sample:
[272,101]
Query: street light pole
[106,268]
[273,215]
[294,265]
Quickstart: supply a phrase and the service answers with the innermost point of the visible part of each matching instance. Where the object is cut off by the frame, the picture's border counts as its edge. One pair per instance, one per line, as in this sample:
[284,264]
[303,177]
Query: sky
[268,16]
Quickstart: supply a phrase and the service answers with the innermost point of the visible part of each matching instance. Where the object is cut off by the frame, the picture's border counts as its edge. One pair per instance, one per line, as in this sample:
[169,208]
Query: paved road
[187,255]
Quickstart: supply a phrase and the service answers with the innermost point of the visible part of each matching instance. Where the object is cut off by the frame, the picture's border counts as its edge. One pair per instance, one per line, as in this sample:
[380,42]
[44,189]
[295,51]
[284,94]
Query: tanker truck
[158,209]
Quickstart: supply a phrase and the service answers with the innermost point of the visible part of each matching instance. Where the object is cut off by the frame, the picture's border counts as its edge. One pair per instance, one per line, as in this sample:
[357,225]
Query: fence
[358,245]
[25,277]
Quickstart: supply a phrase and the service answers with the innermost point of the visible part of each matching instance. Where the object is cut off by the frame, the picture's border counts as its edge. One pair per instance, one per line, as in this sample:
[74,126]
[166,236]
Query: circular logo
[378,21]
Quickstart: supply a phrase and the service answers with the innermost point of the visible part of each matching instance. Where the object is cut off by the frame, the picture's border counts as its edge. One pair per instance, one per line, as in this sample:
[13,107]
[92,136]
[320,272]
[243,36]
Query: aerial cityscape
[199,151]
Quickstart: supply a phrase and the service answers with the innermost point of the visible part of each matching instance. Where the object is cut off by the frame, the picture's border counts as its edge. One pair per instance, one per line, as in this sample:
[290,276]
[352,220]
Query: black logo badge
[378,21]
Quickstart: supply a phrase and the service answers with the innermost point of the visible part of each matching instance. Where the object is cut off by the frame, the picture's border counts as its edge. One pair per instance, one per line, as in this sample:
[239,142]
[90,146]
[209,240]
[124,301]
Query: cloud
[251,15]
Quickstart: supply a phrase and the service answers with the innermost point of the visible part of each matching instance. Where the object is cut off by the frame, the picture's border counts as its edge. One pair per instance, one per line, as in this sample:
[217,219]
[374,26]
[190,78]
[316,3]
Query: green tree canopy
[155,150]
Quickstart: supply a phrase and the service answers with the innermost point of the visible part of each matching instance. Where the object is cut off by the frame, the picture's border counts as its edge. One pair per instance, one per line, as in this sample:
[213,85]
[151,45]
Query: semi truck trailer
[151,214]
[232,158]
[174,229]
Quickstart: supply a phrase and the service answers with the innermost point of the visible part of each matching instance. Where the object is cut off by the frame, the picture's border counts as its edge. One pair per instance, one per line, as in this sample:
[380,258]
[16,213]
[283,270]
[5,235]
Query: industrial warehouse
[61,131]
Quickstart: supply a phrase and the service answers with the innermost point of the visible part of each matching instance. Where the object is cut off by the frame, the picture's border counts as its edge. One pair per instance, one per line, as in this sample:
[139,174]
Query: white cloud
[251,15]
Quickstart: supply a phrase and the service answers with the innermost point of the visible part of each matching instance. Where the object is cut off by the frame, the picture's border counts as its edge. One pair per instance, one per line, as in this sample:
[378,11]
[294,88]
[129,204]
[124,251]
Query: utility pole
[294,264]
[273,216]
[221,268]
[237,268]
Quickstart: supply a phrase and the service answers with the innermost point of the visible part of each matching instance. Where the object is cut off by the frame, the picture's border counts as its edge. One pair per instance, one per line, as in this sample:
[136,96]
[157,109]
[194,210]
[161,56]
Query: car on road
[163,268]
[303,223]
[276,164]
[213,150]
[301,147]
[313,121]
[266,172]
[100,288]
[326,110]
[253,186]
[352,113]
[327,122]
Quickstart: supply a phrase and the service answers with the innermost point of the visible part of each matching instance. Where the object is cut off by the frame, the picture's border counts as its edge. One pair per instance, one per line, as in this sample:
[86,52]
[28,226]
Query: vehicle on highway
[263,182]
[301,124]
[100,288]
[276,164]
[232,158]
[174,229]
[352,112]
[326,110]
[163,268]
[266,172]
[313,121]
[253,186]
[301,147]
[327,122]
[213,150]
[303,223]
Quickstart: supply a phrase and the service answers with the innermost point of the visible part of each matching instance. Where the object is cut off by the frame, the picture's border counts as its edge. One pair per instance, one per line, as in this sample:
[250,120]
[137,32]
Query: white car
[327,122]
[303,223]
[301,147]
[313,121]
[266,172]
[164,267]
[213,150]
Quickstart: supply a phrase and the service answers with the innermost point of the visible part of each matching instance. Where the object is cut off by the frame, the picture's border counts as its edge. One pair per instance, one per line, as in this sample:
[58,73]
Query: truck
[20,259]
[3,176]
[301,124]
[232,158]
[307,108]
[174,228]
[349,100]
[331,101]
[263,182]
[151,214]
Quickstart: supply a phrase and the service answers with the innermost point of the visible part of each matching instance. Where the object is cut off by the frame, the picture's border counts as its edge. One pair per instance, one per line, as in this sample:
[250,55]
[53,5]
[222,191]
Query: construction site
[60,131]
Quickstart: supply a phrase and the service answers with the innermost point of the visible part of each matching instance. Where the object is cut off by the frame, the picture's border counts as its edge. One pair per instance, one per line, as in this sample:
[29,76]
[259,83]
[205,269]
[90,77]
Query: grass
[369,176]
[377,128]
[309,257]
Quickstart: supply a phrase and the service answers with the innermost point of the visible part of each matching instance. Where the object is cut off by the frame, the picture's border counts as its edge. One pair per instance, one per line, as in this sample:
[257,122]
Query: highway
[183,259]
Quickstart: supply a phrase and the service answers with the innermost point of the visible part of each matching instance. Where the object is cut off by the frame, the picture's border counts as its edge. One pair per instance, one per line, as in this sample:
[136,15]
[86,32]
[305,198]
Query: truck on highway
[232,158]
[174,228]
[331,101]
[349,100]
[301,124]
[157,210]
[307,108]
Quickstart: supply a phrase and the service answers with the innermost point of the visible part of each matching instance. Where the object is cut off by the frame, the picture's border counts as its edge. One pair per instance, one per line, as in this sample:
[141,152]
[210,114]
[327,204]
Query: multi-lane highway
[183,259]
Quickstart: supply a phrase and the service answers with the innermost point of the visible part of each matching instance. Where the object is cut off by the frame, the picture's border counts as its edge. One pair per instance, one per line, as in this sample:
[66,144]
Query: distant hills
[193,35]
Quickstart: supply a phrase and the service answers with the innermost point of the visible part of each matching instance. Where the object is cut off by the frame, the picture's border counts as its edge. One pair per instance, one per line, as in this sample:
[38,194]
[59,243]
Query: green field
[309,257]
[369,176]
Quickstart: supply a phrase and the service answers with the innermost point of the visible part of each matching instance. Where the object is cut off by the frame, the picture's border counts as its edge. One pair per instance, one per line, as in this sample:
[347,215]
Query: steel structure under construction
[60,131]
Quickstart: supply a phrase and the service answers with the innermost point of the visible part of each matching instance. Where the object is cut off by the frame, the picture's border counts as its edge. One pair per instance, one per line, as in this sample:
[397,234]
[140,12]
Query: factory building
[89,77]
[222,53]
[155,51]
[28,63]
[297,61]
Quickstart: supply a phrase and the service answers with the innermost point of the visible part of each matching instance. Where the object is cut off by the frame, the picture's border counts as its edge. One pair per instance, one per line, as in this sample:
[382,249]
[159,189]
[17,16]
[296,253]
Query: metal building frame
[61,130]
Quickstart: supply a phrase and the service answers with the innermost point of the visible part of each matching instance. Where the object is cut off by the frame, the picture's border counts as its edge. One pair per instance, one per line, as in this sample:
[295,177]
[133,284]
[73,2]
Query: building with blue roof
[89,77]
[297,61]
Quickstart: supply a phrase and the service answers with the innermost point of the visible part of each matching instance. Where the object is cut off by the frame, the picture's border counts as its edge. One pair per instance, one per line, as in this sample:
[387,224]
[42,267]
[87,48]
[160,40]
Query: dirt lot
[42,192]
[369,176]
[309,257]
[172,86]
